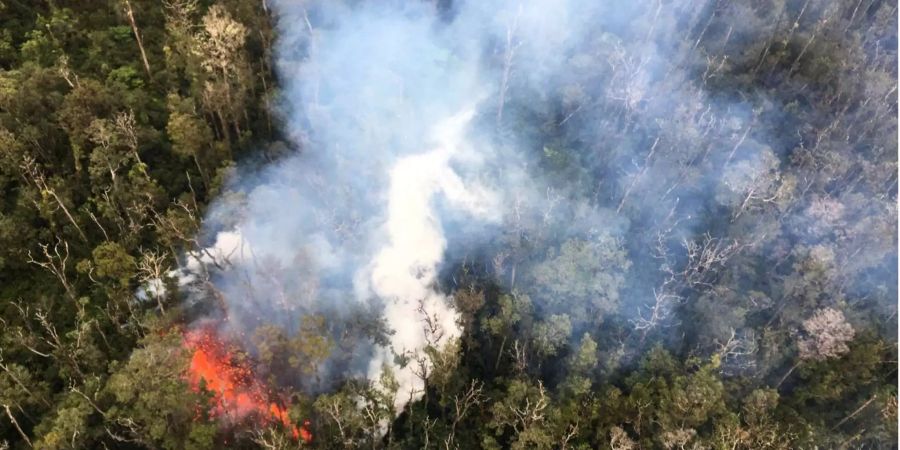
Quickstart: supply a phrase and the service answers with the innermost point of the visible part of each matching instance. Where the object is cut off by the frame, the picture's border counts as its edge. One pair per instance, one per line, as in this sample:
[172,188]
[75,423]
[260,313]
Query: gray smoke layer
[381,104]
[413,124]
[380,98]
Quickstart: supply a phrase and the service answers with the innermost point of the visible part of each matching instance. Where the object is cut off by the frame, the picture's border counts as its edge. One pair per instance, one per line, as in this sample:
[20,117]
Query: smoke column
[381,108]
[403,272]
[388,104]
[415,136]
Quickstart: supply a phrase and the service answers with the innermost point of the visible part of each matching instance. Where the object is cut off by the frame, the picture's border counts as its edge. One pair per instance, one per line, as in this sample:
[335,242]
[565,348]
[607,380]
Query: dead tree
[509,54]
[33,174]
[55,262]
[129,13]
[637,177]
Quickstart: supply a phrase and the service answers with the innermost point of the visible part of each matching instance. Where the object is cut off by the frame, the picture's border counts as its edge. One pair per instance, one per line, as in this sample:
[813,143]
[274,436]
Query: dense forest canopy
[451,224]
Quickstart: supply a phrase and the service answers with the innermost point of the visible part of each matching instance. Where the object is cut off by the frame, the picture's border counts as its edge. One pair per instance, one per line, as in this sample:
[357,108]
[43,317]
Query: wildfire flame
[237,394]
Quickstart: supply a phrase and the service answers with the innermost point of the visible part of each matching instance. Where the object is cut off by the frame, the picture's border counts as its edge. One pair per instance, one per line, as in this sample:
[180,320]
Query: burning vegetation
[237,394]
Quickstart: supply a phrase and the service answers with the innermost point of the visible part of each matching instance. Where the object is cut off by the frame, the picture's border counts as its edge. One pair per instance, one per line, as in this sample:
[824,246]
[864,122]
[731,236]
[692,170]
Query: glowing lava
[237,394]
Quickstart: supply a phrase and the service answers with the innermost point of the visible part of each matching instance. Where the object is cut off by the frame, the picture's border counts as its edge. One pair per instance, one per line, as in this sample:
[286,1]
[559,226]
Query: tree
[191,138]
[220,47]
[751,184]
[304,352]
[112,261]
[68,427]
[154,406]
[584,278]
[552,334]
[87,101]
[825,335]
[693,399]
[581,364]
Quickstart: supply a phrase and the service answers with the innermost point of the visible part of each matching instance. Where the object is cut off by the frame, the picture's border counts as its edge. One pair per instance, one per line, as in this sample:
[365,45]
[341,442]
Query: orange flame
[237,394]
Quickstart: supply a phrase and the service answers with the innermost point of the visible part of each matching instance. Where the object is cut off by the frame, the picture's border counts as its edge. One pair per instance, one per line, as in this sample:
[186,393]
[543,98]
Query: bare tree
[270,439]
[15,423]
[334,408]
[67,349]
[519,354]
[509,53]
[33,174]
[126,126]
[752,184]
[55,261]
[736,352]
[570,433]
[152,272]
[637,177]
[619,440]
[704,259]
[462,403]
[129,13]
[220,46]
[825,335]
[522,414]
[678,438]
[656,314]
[794,26]
[180,12]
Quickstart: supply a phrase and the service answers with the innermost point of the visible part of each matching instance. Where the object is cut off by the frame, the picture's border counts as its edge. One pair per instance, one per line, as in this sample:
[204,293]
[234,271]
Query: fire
[237,394]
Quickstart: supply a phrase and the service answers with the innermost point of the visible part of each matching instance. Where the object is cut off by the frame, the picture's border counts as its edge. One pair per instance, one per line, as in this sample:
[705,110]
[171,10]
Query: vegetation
[771,324]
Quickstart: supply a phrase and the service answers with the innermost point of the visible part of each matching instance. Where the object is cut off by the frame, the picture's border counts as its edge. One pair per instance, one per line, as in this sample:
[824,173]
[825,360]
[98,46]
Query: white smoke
[404,272]
[389,105]
[229,248]
[382,100]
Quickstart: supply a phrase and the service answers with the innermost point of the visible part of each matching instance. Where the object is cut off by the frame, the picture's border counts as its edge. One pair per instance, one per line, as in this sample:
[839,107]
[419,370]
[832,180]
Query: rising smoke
[381,107]
[380,98]
[416,137]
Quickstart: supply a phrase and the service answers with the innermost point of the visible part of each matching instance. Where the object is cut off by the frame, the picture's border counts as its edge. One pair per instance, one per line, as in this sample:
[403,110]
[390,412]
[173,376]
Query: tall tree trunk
[69,215]
[789,372]
[508,56]
[137,35]
[854,413]
[637,176]
[203,175]
[16,424]
[226,134]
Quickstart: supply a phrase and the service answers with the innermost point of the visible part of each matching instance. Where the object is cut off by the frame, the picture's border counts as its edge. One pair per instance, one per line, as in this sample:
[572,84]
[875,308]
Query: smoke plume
[417,140]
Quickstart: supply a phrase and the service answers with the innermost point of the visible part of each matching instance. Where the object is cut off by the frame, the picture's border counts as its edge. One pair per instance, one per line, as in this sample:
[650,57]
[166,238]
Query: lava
[237,393]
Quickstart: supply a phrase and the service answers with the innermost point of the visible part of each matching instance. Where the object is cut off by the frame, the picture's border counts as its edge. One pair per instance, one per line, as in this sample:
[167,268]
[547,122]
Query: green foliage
[154,399]
[582,364]
[621,329]
[551,334]
[126,76]
[68,427]
[113,261]
[303,352]
[94,182]
[583,278]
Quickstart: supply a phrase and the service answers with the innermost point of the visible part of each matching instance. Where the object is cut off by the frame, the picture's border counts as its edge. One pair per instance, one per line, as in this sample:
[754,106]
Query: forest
[448,224]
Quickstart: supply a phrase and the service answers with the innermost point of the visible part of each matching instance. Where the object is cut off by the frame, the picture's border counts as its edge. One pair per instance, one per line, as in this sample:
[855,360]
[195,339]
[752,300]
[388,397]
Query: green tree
[584,278]
[153,403]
